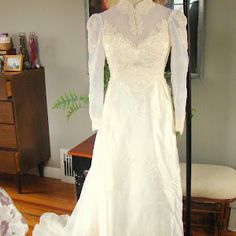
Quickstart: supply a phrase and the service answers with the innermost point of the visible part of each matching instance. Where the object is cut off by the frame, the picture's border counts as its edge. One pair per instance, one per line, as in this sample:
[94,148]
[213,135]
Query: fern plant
[70,102]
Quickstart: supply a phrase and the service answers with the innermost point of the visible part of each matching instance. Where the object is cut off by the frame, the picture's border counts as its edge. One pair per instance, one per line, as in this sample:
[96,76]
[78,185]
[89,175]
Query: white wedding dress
[133,187]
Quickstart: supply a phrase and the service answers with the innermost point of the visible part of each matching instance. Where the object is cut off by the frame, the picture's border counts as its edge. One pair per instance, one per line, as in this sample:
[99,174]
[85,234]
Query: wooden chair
[213,188]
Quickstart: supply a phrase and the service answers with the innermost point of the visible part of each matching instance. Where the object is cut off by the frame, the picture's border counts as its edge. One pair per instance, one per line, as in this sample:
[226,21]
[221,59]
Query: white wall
[60,26]
[214,97]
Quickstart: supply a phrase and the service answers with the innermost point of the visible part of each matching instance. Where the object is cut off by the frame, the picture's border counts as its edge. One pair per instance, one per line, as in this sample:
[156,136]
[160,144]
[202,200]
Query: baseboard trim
[50,172]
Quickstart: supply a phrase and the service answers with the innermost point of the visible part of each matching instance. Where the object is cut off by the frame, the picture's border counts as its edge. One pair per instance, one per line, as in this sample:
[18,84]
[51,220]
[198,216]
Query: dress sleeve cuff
[179,124]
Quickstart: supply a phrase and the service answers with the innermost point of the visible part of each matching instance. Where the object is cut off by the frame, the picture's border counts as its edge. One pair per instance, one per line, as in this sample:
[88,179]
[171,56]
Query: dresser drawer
[5,89]
[7,136]
[6,113]
[9,162]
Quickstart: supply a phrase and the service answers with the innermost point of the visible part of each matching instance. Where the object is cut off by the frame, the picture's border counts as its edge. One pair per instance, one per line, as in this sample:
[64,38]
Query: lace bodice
[136,40]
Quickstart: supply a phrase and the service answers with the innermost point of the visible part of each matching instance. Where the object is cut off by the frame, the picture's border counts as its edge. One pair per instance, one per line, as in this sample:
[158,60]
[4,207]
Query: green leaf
[71,110]
[83,101]
[70,102]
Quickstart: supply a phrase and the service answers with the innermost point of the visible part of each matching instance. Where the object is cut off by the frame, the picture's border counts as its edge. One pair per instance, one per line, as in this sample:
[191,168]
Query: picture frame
[13,63]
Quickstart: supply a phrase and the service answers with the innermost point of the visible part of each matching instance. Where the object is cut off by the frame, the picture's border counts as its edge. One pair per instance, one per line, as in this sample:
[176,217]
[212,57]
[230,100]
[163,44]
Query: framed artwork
[13,63]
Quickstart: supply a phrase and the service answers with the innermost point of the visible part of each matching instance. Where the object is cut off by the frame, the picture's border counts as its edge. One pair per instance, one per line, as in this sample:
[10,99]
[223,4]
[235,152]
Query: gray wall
[214,97]
[60,26]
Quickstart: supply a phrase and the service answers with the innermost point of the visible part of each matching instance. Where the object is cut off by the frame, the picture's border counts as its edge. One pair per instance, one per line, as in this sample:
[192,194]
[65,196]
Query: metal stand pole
[188,142]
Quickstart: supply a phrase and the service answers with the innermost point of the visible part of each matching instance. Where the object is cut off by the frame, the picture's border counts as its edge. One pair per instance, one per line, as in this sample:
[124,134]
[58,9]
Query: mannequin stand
[188,140]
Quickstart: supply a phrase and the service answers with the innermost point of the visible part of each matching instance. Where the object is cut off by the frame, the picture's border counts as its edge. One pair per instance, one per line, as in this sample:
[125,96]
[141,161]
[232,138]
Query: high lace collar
[141,8]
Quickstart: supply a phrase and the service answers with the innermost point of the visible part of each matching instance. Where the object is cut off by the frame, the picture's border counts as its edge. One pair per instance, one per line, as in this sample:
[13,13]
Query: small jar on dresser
[24,132]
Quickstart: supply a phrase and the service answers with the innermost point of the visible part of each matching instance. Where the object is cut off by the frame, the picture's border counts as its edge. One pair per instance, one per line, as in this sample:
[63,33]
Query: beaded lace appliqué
[135,14]
[111,30]
[144,54]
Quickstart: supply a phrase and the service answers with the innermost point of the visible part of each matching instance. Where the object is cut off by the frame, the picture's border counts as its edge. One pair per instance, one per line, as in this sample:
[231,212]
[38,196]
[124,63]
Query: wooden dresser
[24,133]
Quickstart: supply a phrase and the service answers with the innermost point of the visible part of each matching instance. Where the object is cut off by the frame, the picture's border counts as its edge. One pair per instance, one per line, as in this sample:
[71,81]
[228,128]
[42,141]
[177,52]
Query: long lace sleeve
[96,63]
[179,66]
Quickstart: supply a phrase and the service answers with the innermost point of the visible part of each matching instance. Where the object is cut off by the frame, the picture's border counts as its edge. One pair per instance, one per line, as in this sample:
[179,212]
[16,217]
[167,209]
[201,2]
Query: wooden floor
[39,196]
[47,195]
